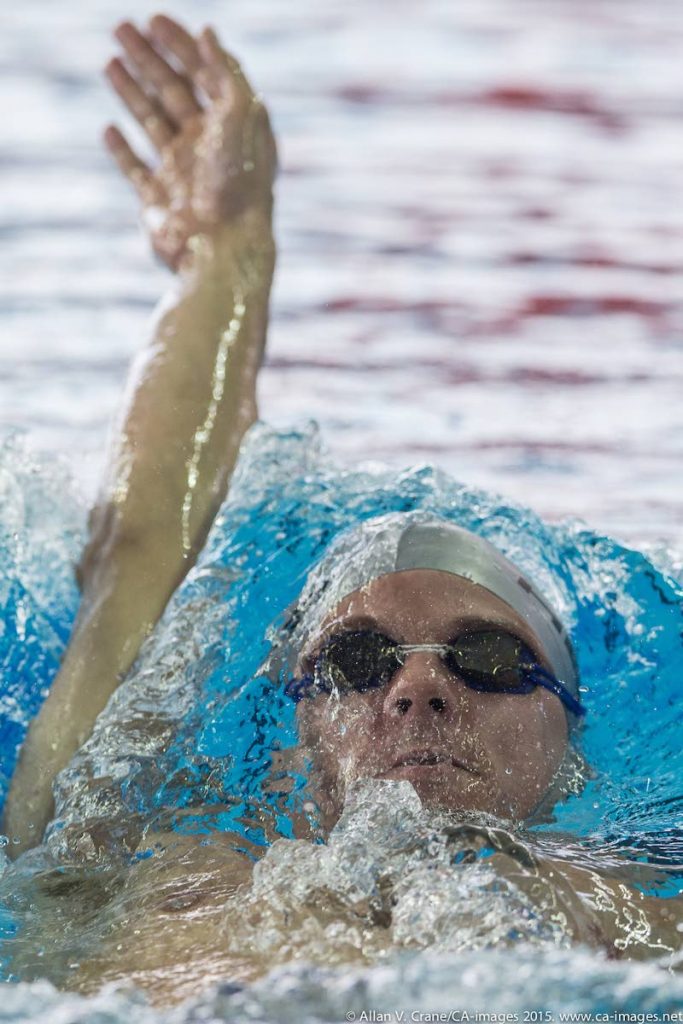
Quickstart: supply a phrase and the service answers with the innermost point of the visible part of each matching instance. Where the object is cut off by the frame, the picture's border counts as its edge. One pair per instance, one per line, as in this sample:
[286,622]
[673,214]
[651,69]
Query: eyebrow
[346,625]
[479,622]
[457,626]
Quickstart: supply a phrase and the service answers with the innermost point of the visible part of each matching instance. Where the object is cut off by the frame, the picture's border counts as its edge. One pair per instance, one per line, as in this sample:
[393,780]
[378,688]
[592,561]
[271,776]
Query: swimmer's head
[418,580]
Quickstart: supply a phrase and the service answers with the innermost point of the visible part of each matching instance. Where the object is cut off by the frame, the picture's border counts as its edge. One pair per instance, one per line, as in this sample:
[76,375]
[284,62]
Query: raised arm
[192,391]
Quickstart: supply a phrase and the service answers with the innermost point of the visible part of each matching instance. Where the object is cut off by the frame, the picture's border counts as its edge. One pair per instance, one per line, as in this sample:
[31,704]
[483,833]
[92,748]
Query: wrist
[241,250]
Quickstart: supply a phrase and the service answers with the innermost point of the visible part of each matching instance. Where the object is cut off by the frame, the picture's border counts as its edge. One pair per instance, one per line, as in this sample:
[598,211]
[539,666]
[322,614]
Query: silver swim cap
[420,540]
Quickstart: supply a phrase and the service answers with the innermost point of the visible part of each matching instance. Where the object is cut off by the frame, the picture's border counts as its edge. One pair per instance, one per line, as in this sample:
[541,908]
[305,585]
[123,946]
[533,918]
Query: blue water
[287,502]
[41,534]
[205,673]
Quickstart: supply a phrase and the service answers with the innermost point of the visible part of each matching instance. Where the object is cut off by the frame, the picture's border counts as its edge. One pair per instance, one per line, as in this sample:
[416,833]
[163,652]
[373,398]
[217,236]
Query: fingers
[132,167]
[177,41]
[183,47]
[148,114]
[223,74]
[175,93]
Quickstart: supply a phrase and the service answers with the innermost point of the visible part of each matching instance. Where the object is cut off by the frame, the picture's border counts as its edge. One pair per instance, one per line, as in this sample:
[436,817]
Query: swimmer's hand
[216,152]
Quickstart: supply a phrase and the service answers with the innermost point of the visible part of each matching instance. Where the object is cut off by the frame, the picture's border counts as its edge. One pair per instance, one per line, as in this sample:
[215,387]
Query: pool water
[186,745]
[480,251]
[479,230]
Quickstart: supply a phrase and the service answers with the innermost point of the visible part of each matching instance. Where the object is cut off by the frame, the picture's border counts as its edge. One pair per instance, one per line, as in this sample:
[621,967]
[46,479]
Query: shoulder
[636,925]
[170,866]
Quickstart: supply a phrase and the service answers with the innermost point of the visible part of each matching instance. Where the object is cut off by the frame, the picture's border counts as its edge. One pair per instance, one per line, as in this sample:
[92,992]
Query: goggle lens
[489,660]
[357,661]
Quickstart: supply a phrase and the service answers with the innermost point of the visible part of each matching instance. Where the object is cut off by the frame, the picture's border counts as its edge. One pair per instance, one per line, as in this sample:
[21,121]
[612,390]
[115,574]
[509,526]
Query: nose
[422,687]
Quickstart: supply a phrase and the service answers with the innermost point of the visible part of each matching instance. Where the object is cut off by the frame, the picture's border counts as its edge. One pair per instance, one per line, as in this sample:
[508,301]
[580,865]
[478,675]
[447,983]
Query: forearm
[190,400]
[192,397]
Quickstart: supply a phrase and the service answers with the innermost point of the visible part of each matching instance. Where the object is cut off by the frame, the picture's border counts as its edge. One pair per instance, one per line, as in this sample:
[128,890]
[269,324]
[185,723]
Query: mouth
[428,758]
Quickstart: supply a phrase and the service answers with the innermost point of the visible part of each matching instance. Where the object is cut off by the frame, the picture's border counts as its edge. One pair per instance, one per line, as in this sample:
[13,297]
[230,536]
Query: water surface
[481,244]
[480,232]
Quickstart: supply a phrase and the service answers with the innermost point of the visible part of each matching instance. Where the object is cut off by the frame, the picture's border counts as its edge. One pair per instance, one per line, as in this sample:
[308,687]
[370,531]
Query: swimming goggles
[490,660]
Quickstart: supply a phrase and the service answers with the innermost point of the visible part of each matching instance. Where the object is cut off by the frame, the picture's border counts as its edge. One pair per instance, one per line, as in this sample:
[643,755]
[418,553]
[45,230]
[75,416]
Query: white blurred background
[480,235]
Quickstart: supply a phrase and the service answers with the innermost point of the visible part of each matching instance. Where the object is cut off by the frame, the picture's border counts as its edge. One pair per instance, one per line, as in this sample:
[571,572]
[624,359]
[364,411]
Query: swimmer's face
[488,752]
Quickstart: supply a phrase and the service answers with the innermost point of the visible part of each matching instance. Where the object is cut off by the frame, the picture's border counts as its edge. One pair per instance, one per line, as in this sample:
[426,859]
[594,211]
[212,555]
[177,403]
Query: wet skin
[488,752]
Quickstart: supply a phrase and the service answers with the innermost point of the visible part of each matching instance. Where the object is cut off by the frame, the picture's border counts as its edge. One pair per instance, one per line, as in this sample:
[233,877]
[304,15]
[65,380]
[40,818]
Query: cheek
[337,735]
[527,749]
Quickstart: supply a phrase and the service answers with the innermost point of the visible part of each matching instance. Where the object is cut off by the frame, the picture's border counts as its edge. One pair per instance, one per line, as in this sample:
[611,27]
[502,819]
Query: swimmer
[433,661]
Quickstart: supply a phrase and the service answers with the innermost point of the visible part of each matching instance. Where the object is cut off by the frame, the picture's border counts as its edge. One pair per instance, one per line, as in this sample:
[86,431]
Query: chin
[443,787]
[453,789]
